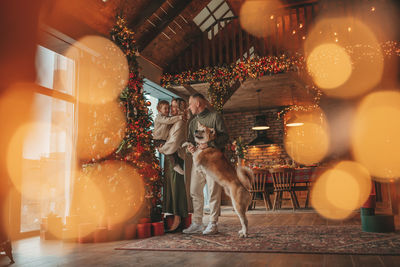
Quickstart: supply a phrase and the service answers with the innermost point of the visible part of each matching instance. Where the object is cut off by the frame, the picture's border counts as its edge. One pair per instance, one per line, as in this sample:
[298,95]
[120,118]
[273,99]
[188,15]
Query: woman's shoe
[175,224]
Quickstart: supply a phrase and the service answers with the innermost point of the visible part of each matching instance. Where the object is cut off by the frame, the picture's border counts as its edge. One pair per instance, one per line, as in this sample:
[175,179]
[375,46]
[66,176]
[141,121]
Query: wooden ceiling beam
[180,94]
[232,90]
[153,6]
[146,39]
[190,89]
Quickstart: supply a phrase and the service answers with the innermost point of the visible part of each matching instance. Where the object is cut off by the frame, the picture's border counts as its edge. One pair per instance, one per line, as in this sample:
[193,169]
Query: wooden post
[234,27]
[214,61]
[226,35]
[206,46]
[240,44]
[219,44]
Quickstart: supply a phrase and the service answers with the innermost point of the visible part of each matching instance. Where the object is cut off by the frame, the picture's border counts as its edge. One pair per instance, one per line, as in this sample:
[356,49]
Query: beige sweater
[176,137]
[162,125]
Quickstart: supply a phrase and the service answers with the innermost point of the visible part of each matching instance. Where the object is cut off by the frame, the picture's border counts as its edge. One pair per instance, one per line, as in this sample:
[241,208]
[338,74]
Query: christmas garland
[222,78]
[137,147]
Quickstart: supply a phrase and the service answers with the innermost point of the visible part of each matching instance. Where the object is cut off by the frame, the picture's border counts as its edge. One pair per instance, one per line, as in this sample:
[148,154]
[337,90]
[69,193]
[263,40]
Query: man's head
[203,134]
[197,103]
[163,107]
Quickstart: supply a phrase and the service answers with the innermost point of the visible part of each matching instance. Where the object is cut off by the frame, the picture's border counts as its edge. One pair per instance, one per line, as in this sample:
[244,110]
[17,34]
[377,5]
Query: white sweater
[162,124]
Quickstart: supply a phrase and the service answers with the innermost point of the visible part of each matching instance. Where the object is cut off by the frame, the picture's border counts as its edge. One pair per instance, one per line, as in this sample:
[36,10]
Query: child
[162,125]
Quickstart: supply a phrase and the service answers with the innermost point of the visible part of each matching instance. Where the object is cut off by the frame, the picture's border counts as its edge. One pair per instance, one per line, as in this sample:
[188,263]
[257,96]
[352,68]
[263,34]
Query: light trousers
[198,180]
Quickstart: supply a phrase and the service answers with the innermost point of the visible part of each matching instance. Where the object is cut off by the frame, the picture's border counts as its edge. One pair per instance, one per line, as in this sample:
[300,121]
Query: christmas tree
[137,148]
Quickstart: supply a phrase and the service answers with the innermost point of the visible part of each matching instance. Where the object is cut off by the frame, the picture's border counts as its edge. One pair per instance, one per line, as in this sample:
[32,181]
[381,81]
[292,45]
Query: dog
[213,163]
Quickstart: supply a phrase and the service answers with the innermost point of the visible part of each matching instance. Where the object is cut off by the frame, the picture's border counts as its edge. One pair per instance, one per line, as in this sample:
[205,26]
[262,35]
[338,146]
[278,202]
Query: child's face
[164,110]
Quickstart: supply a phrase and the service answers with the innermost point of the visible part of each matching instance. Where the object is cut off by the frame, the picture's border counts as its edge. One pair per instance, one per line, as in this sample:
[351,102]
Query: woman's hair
[181,104]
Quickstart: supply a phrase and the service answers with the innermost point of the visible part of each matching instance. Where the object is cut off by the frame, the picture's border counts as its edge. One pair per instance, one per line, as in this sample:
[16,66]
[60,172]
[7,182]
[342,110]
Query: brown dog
[213,163]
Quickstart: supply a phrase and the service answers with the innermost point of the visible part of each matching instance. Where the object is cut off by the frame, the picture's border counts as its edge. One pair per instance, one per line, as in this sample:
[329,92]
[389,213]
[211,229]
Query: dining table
[303,178]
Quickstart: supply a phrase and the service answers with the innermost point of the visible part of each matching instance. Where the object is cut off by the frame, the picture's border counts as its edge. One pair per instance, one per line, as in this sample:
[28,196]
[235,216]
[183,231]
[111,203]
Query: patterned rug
[278,239]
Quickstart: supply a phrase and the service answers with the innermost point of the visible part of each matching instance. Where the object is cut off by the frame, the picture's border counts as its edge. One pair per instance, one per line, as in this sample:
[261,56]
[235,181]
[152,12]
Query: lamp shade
[260,123]
[294,121]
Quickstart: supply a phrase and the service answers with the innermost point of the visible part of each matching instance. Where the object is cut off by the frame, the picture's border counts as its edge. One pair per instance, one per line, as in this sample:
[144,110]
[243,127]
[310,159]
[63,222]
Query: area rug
[277,239]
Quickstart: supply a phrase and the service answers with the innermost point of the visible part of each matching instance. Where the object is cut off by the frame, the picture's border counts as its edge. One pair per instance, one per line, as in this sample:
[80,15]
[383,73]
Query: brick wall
[240,123]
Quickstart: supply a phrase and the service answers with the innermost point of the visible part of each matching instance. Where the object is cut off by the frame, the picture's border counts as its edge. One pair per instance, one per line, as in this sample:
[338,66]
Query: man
[211,119]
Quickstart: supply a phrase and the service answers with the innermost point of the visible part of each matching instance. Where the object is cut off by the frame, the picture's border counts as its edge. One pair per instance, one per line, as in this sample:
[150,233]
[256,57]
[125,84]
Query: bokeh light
[358,43]
[362,179]
[101,130]
[255,16]
[109,192]
[341,190]
[308,143]
[329,65]
[90,203]
[319,197]
[103,69]
[375,134]
[34,187]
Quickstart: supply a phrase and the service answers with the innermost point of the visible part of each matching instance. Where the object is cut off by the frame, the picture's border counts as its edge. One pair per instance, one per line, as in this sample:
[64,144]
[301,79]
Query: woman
[174,197]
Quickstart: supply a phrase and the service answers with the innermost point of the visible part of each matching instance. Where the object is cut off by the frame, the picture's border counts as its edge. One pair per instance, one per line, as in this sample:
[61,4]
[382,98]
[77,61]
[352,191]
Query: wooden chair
[260,186]
[282,179]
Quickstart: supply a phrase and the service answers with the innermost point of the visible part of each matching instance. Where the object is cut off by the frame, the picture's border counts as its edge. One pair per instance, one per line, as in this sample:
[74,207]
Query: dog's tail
[246,176]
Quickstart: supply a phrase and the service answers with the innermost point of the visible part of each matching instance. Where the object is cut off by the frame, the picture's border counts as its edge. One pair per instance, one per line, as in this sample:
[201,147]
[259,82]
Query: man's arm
[191,131]
[222,136]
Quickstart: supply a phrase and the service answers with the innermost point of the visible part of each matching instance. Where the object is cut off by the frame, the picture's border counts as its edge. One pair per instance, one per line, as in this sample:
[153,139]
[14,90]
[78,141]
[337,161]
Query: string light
[137,148]
[373,9]
[222,78]
[271,17]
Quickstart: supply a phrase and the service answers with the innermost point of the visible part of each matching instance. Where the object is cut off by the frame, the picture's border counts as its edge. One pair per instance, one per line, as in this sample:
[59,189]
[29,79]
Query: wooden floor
[33,252]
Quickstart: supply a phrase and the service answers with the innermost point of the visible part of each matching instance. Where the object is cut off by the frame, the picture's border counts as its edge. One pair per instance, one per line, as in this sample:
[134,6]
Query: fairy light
[271,17]
[373,9]
[293,32]
[301,25]
[221,78]
[349,29]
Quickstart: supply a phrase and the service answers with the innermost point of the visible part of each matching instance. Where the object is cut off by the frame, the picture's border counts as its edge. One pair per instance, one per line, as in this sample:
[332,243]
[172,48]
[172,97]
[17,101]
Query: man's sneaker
[178,169]
[211,229]
[194,228]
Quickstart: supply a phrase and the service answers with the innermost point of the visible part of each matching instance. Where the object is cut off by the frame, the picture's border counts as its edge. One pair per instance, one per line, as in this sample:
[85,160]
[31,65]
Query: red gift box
[144,220]
[130,231]
[144,230]
[85,232]
[100,235]
[157,228]
[187,221]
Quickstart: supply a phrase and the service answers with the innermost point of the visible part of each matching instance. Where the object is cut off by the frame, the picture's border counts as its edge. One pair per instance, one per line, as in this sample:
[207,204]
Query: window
[215,11]
[47,156]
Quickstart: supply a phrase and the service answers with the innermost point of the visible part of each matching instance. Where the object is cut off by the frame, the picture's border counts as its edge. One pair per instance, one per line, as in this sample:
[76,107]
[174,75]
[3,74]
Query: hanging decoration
[222,78]
[137,147]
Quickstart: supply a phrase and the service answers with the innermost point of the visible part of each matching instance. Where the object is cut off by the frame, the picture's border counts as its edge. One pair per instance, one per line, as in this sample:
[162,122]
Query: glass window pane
[201,16]
[207,24]
[47,162]
[213,4]
[54,71]
[221,10]
[229,14]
